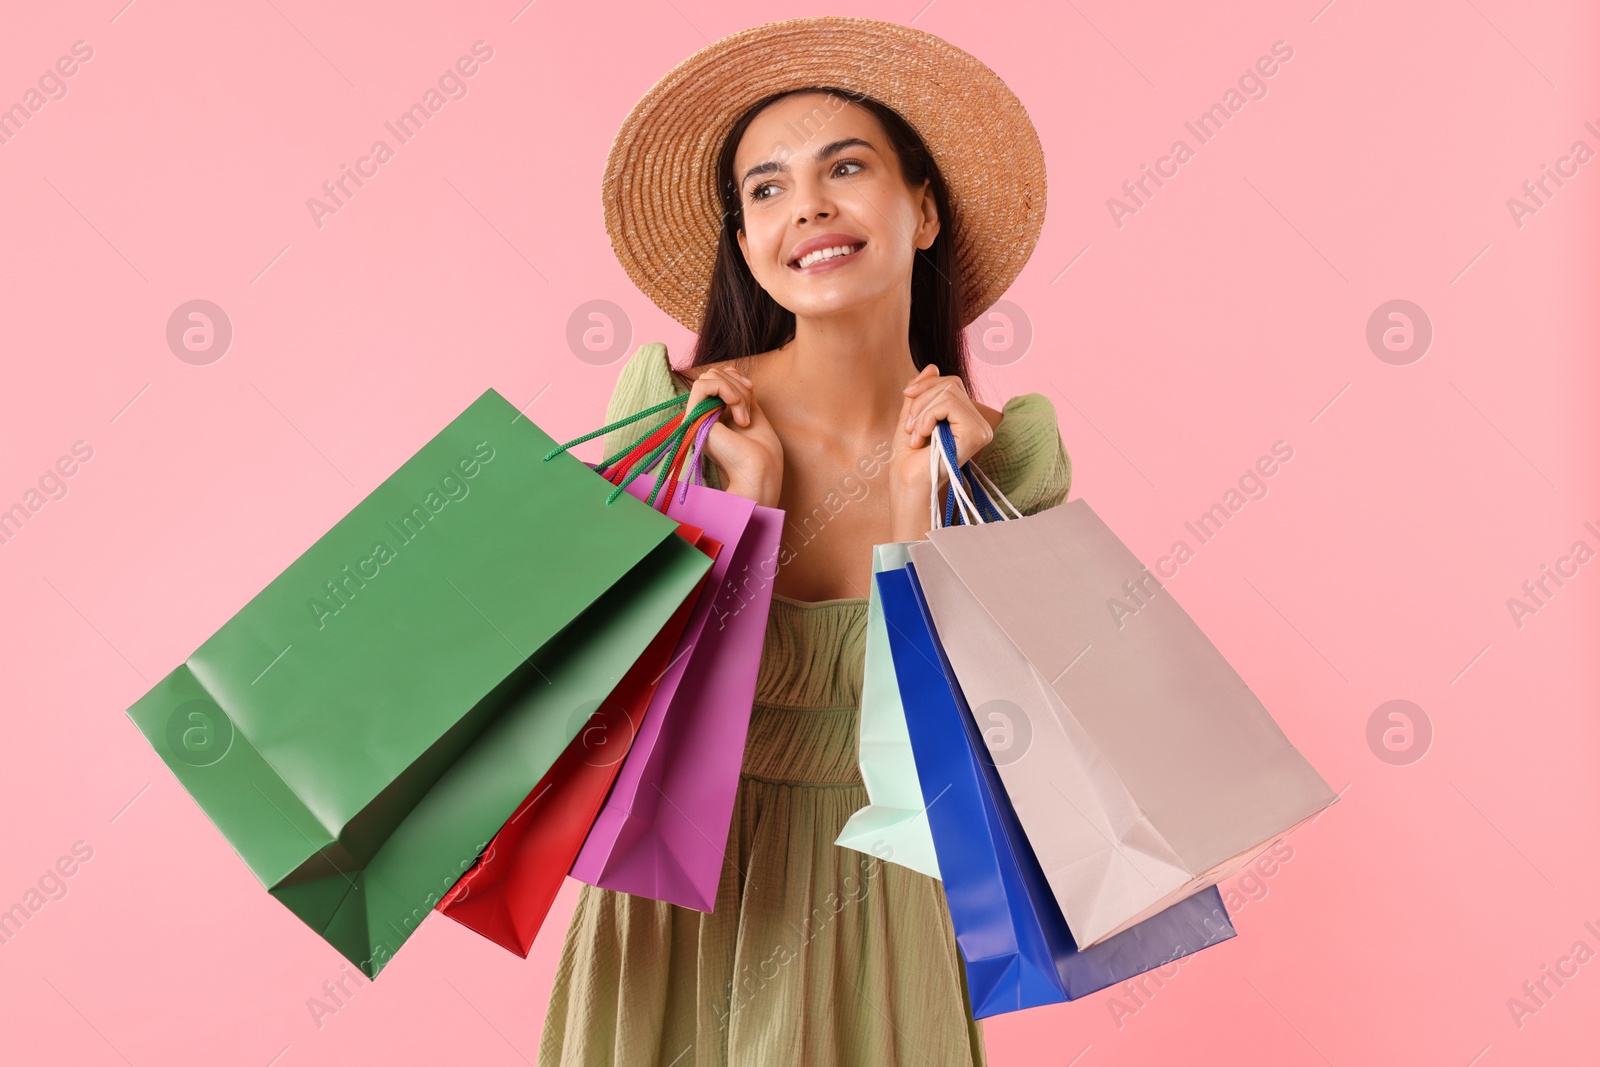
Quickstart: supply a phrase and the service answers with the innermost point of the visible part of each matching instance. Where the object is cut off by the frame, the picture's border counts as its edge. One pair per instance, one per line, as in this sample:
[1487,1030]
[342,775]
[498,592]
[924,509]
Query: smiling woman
[870,190]
[850,147]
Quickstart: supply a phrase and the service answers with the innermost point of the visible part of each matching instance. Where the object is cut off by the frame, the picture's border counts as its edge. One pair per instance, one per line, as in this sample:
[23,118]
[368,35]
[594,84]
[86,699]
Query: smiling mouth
[822,255]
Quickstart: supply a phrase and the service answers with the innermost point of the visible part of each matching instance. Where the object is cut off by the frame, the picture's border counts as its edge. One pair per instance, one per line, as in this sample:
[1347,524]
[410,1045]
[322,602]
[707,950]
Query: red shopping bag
[506,895]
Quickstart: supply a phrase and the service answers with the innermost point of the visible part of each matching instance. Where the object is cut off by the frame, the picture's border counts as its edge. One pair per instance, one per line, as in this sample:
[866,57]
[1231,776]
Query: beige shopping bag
[1140,765]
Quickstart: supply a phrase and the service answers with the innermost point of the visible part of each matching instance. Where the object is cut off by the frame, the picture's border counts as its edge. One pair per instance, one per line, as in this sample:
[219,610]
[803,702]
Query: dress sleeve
[1027,458]
[646,380]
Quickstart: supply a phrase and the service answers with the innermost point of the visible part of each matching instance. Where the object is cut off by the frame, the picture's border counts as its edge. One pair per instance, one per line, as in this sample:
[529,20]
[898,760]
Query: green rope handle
[664,405]
[709,404]
[673,443]
[669,447]
[642,463]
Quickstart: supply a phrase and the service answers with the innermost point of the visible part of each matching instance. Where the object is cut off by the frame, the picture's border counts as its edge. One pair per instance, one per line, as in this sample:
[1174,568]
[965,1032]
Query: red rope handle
[642,449]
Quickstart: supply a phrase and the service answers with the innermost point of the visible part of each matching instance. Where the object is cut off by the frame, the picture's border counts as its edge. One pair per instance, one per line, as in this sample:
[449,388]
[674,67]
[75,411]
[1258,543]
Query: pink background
[1228,313]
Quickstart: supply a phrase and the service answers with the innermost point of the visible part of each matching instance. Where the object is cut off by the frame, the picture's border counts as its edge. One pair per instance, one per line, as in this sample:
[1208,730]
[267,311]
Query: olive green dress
[816,955]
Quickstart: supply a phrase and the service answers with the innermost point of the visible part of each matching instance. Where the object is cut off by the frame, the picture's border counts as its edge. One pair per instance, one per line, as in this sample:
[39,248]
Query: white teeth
[826,253]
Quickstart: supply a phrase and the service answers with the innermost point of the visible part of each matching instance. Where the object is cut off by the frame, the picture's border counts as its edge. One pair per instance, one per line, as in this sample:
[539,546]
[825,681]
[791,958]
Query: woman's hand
[746,450]
[929,397]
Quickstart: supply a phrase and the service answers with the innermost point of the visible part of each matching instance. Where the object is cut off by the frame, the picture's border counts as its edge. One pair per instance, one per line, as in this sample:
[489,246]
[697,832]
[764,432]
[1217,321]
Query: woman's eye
[756,193]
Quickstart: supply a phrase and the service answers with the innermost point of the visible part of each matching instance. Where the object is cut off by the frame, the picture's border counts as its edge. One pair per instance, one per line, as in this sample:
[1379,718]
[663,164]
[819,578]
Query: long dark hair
[741,319]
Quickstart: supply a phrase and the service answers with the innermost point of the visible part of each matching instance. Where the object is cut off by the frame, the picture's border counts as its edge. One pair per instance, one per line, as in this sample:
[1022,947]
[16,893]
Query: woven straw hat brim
[662,211]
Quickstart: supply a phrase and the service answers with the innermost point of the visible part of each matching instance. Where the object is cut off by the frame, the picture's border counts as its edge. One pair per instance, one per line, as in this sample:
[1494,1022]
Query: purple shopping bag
[661,830]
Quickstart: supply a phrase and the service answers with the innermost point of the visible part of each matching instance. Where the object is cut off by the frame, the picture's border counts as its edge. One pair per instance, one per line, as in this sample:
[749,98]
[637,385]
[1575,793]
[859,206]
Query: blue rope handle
[975,491]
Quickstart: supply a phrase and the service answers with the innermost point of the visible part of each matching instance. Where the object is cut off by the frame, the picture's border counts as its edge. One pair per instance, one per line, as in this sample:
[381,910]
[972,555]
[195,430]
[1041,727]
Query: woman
[830,303]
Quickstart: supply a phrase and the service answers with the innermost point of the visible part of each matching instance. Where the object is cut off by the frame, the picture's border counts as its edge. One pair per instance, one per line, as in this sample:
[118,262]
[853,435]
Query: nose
[811,201]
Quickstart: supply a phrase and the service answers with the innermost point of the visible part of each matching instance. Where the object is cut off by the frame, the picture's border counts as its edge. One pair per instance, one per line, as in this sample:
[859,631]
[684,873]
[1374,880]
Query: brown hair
[741,319]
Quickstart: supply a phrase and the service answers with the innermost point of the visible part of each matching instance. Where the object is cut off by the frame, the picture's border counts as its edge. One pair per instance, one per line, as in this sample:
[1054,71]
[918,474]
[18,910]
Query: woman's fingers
[905,420]
[732,388]
[932,404]
[951,404]
[924,377]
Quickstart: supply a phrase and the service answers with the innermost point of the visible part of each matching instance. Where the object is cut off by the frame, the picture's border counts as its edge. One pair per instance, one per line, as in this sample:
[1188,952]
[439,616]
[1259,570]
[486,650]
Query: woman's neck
[846,373]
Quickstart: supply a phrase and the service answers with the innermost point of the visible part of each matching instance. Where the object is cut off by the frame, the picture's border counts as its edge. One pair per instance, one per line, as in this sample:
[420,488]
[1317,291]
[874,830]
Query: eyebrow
[832,148]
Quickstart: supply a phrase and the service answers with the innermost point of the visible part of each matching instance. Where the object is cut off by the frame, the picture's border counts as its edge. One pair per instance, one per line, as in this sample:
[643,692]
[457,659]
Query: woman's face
[816,172]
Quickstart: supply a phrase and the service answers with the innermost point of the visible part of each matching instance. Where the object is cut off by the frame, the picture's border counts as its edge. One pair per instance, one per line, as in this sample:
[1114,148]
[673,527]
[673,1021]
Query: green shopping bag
[894,824]
[364,725]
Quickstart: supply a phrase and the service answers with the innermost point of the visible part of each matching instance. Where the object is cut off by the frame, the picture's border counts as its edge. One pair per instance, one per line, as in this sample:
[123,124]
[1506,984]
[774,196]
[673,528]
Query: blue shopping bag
[1012,935]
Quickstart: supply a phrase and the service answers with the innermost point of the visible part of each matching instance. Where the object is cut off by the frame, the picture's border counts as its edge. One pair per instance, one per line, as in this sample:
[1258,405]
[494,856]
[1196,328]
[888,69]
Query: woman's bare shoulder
[990,414]
[746,365]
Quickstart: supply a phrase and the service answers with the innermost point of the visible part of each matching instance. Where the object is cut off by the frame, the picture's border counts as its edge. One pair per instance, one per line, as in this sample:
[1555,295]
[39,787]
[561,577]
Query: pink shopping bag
[661,832]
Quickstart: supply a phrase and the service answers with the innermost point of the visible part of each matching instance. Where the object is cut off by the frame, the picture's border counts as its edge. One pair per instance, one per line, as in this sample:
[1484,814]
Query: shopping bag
[506,895]
[1140,764]
[894,824]
[662,830]
[1014,941]
[335,728]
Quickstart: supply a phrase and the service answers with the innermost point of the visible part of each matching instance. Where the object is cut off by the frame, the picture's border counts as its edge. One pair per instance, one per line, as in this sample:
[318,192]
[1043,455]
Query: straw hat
[661,205]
